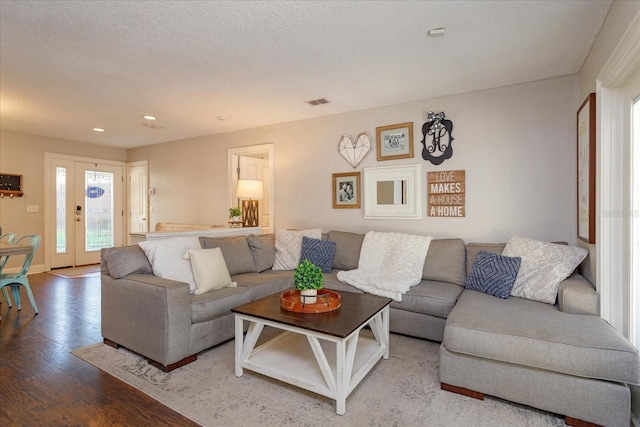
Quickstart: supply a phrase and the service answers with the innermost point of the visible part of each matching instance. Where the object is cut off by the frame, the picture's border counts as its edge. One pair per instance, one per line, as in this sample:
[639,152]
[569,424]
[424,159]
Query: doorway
[254,162]
[83,209]
[138,173]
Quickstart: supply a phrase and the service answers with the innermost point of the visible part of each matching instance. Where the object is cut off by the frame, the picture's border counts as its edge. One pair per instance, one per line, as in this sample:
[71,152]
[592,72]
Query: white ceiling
[69,66]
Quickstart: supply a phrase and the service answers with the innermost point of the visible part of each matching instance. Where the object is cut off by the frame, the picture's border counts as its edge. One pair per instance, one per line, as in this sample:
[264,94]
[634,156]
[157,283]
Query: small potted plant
[308,279]
[235,214]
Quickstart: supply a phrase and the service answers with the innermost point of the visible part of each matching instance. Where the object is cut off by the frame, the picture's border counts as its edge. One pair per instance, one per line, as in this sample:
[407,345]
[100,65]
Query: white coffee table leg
[342,382]
[245,346]
[239,339]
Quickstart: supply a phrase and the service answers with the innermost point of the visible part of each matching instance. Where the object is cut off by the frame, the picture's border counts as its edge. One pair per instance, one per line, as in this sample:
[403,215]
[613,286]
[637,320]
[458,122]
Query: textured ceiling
[69,66]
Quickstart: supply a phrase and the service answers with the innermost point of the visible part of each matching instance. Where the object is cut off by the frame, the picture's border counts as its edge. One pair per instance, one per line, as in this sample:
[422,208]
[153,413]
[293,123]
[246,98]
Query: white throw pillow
[166,259]
[289,247]
[209,270]
[544,265]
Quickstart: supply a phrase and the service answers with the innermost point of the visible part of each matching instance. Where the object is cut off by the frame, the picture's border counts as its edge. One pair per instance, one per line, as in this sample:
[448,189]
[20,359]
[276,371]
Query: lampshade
[250,188]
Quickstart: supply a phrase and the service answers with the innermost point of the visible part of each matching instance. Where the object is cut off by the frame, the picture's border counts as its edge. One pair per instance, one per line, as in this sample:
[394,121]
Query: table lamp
[250,189]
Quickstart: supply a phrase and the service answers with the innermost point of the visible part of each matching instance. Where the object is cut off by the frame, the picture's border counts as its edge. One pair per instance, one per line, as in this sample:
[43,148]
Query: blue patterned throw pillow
[319,252]
[493,274]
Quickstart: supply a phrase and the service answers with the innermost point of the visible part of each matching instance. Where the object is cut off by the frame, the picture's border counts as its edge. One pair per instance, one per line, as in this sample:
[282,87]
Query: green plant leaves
[308,276]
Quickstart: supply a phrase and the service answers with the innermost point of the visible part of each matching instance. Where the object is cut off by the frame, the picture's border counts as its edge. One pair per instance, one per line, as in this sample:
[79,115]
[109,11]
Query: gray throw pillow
[235,251]
[348,246]
[445,261]
[126,260]
[319,252]
[263,249]
[493,274]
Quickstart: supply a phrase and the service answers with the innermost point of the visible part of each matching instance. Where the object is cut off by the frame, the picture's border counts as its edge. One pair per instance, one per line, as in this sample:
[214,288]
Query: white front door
[98,212]
[84,211]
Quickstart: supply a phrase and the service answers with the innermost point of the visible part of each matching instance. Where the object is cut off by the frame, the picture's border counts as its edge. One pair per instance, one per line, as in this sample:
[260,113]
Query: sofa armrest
[577,296]
[148,315]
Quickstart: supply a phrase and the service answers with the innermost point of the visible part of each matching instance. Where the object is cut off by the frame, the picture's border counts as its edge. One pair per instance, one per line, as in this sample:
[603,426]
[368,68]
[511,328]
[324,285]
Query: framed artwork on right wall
[586,132]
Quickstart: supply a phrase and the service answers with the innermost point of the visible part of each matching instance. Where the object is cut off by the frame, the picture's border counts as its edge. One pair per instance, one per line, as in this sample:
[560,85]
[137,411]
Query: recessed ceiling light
[435,32]
[150,117]
[98,129]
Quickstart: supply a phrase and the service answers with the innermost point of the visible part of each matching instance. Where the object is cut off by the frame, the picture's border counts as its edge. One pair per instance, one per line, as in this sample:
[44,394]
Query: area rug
[401,391]
[77,272]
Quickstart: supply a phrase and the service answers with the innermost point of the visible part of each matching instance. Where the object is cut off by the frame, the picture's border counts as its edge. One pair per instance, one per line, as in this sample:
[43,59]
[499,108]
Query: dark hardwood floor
[43,384]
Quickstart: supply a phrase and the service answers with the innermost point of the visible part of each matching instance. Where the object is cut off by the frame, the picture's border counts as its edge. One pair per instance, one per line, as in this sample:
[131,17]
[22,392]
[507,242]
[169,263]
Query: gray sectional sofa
[561,358]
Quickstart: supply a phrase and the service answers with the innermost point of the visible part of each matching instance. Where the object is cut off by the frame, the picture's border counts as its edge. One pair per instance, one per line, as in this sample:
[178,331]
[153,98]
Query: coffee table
[321,352]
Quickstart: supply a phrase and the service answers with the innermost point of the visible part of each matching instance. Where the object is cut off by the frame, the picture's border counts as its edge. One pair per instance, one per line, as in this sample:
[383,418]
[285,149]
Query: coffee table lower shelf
[324,364]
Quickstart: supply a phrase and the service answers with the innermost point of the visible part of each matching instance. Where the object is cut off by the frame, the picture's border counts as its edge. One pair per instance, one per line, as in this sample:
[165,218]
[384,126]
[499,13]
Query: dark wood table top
[355,310]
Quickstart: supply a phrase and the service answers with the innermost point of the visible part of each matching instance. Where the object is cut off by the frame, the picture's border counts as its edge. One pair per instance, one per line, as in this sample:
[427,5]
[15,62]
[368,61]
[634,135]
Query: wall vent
[318,101]
[152,126]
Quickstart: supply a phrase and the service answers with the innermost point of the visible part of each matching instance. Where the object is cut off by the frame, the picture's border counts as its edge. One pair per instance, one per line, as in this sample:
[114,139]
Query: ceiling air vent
[318,101]
[152,126]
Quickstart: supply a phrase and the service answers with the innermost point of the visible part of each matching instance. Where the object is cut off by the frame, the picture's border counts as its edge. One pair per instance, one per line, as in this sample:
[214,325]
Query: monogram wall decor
[440,148]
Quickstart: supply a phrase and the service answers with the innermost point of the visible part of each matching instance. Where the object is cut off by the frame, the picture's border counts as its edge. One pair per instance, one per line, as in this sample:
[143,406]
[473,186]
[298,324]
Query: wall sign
[446,193]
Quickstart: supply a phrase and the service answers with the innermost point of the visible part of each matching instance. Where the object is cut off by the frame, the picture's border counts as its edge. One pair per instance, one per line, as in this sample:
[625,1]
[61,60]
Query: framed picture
[586,130]
[346,190]
[395,141]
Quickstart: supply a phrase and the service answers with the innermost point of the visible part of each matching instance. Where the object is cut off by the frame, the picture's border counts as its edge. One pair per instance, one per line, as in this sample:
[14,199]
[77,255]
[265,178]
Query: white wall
[516,143]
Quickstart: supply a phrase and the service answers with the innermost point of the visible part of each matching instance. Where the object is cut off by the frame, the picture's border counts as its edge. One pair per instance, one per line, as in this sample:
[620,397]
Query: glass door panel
[98,211]
[60,221]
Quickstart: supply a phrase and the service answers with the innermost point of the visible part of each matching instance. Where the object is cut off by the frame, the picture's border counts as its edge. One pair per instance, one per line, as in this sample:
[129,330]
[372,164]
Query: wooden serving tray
[327,300]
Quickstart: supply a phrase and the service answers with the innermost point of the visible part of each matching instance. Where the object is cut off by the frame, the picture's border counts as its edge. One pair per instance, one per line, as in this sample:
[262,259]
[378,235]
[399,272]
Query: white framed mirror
[393,192]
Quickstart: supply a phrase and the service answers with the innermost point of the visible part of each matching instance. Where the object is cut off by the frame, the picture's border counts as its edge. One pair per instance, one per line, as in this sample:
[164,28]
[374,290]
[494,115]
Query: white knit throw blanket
[390,263]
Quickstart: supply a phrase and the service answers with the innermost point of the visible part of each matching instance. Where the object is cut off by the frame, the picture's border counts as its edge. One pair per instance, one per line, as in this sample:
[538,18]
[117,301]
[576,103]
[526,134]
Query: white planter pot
[309,296]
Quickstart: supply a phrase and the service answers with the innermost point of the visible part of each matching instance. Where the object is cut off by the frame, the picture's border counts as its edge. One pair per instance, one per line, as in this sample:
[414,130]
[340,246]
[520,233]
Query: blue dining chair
[8,237]
[15,280]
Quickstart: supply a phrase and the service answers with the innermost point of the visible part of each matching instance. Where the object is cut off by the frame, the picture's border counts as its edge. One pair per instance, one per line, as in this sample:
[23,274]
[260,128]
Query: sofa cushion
[538,335]
[544,265]
[266,283]
[474,248]
[348,247]
[209,270]
[331,282]
[445,261]
[235,250]
[212,305]
[263,250]
[318,252]
[493,274]
[166,258]
[126,260]
[430,297]
[289,247]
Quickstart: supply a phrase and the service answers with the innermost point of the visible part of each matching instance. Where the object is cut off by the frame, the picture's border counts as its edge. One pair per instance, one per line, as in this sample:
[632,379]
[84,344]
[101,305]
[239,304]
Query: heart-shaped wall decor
[354,152]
